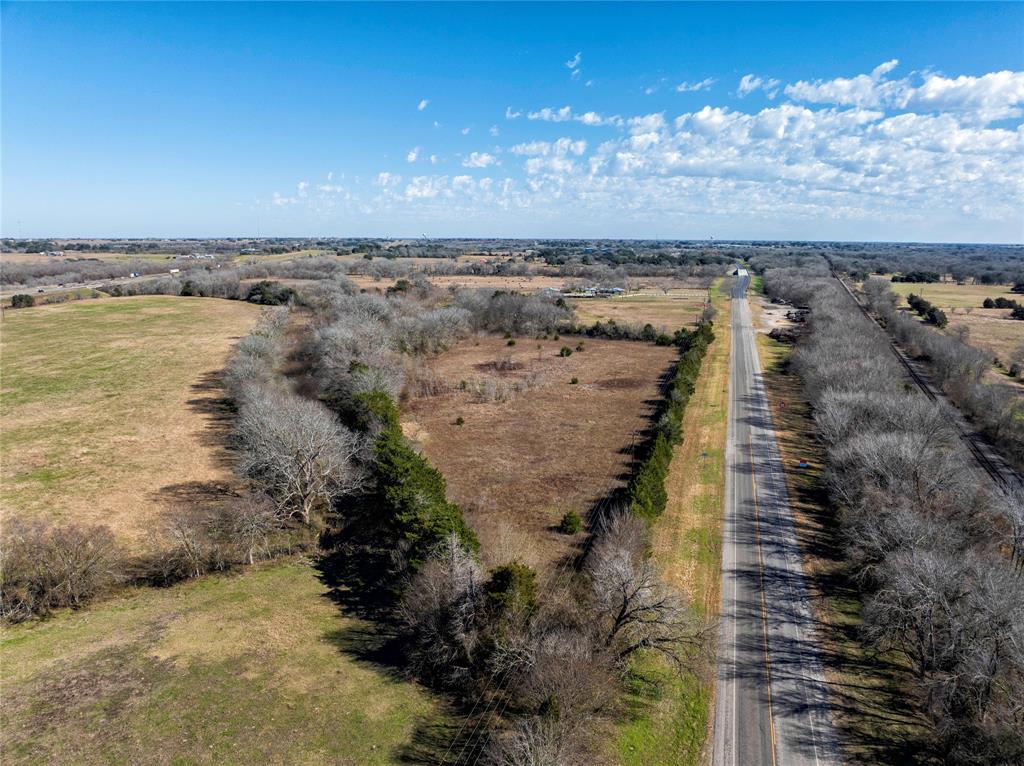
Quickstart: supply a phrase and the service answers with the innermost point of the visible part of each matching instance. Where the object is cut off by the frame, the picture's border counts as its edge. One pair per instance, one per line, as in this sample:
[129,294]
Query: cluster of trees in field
[1017,310]
[959,369]
[924,308]
[937,554]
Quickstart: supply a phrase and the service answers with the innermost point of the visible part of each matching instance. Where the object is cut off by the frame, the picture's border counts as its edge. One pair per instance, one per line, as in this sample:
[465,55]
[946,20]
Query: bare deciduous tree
[441,611]
[297,452]
[636,609]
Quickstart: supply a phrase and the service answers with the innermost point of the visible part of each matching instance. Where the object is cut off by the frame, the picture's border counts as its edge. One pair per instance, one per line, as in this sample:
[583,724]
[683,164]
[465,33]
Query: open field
[253,668]
[954,296]
[75,255]
[990,329]
[666,311]
[518,465]
[110,408]
[669,714]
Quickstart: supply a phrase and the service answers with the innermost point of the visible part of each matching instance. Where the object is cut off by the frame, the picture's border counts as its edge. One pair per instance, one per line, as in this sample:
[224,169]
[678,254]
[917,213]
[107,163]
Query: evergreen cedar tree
[647,495]
[408,494]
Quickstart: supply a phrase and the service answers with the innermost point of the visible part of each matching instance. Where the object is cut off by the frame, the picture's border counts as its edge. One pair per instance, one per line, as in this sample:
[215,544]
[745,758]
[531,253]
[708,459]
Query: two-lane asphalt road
[772,703]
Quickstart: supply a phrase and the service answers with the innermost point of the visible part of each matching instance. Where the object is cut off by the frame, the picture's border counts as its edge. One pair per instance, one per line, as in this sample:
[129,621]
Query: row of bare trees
[935,551]
[549,653]
[959,368]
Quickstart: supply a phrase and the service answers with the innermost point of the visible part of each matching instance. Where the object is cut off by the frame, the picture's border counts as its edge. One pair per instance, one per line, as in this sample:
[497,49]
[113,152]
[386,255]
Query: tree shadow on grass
[211,400]
[875,716]
[360,580]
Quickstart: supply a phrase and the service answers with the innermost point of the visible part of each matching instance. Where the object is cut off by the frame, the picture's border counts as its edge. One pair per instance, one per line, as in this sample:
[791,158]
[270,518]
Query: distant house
[174,271]
[947,279]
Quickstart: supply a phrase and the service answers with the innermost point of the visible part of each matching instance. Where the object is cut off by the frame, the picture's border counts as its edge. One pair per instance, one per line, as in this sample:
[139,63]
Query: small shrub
[580,347]
[512,588]
[566,351]
[45,567]
[460,421]
[570,524]
[574,381]
[1015,370]
[22,301]
[268,293]
[511,342]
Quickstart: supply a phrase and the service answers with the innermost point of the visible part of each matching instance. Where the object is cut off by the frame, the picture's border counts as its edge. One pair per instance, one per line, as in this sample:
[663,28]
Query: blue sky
[810,121]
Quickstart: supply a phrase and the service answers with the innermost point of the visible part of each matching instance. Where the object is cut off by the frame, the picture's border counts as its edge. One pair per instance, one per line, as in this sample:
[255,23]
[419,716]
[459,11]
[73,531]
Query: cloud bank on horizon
[859,148]
[783,121]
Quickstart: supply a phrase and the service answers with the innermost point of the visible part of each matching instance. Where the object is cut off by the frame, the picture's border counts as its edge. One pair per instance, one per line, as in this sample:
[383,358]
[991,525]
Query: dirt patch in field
[531,444]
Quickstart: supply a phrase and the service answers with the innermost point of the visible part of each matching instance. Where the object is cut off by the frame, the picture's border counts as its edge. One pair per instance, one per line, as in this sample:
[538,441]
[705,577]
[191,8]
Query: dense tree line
[935,552]
[646,494]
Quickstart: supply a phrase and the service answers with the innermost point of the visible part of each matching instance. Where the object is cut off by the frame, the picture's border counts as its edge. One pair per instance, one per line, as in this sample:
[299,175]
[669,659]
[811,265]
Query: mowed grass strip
[667,715]
[259,667]
[106,406]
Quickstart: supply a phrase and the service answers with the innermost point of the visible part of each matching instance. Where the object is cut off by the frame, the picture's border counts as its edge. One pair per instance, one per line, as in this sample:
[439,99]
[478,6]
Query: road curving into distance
[771,702]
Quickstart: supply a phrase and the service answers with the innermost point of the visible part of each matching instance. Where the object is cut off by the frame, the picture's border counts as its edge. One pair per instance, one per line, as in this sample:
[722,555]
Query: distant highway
[6,294]
[771,701]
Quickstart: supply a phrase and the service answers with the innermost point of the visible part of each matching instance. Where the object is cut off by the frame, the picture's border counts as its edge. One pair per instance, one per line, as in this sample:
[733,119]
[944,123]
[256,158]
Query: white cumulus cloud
[691,87]
[479,160]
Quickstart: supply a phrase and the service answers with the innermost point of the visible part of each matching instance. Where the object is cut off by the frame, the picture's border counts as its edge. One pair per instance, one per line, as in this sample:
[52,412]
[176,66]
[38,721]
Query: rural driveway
[772,702]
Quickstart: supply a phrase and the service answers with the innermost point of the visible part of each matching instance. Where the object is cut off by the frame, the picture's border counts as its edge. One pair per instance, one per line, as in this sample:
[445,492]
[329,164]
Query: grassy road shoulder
[669,715]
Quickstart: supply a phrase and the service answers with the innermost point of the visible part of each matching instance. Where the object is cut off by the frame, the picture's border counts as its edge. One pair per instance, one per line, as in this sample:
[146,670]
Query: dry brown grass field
[110,409]
[954,296]
[988,329]
[518,465]
[680,307]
